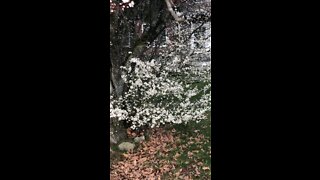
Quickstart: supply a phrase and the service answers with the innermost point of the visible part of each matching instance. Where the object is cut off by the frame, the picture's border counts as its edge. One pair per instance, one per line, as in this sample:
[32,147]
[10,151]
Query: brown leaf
[134,158]
[176,156]
[129,131]
[205,168]
[125,155]
[200,164]
[197,171]
[178,173]
[142,160]
[133,134]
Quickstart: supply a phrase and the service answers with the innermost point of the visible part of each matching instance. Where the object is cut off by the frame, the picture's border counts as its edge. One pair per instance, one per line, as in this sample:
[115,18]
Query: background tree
[136,29]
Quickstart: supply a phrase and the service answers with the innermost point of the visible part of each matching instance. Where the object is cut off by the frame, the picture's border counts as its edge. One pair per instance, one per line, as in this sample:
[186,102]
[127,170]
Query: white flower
[167,90]
[131,4]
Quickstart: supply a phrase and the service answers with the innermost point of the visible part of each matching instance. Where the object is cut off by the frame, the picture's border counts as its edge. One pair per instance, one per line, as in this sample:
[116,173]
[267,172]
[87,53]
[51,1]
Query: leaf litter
[163,156]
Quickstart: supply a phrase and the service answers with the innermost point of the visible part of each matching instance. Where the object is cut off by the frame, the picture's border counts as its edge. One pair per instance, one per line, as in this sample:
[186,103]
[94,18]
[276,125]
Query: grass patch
[194,147]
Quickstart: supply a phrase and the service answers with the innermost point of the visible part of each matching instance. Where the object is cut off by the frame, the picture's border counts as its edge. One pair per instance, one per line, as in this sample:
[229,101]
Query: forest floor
[175,152]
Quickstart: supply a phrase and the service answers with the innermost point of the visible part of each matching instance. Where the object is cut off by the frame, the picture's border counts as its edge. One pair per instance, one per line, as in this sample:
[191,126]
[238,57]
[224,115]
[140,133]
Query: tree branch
[195,30]
[175,16]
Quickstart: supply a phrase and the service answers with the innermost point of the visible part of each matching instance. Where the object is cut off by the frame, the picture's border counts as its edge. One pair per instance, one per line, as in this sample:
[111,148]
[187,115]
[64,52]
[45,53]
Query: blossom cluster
[161,92]
[122,5]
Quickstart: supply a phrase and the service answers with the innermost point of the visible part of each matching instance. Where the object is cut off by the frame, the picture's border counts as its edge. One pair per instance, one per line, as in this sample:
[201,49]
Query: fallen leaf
[205,168]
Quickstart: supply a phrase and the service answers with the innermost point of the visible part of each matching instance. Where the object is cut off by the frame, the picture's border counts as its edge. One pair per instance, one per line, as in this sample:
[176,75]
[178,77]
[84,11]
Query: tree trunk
[117,87]
[122,23]
[117,129]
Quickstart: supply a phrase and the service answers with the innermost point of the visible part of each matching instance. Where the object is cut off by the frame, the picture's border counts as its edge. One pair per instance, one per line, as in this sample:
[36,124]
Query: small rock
[126,146]
[139,139]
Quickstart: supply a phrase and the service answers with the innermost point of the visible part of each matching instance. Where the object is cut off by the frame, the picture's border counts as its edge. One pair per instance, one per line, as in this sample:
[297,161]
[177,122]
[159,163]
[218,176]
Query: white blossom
[146,87]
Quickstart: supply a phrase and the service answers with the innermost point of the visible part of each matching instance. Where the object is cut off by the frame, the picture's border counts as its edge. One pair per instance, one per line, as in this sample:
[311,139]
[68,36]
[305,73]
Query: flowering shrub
[162,92]
[162,84]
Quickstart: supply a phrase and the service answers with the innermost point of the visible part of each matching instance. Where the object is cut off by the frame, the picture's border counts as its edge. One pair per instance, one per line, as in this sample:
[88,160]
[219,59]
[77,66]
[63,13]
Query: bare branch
[195,30]
[175,16]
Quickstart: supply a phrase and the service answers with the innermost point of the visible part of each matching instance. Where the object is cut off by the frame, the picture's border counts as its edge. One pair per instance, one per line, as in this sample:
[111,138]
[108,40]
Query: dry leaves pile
[151,160]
